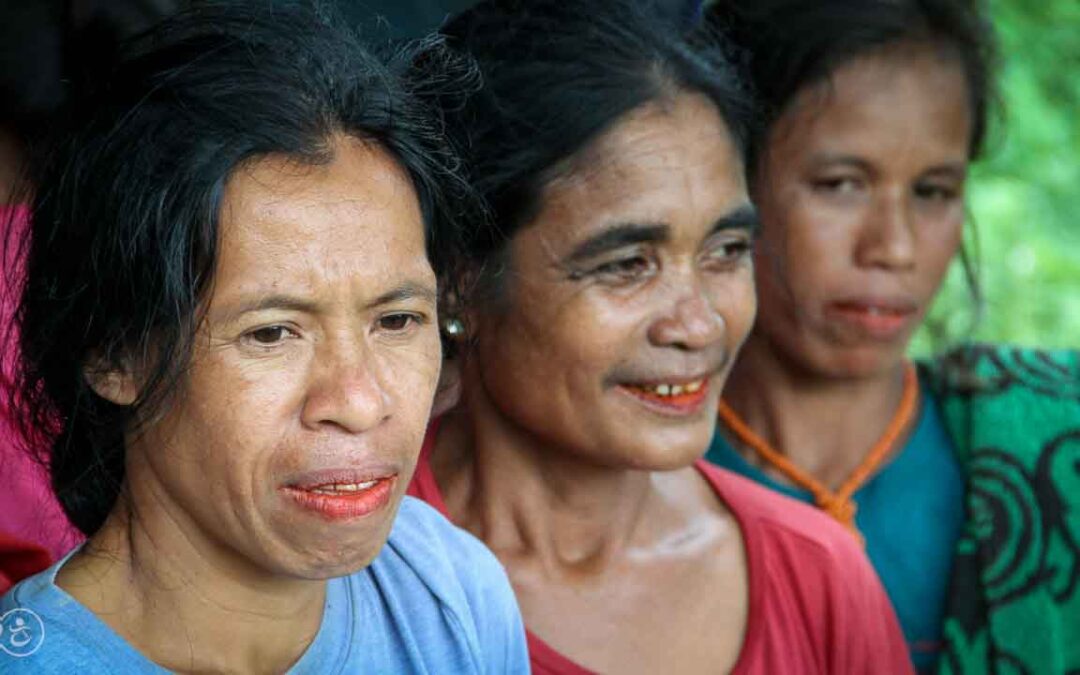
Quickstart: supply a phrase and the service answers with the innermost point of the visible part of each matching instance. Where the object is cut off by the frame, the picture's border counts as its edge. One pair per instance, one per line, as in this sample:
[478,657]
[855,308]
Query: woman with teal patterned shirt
[960,475]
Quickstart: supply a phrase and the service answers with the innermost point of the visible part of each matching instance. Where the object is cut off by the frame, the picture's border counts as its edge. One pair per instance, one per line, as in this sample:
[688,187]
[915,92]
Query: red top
[816,605]
[18,560]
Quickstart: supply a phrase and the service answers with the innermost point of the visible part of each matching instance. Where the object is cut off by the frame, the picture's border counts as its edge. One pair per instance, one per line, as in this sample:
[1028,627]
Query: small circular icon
[21,632]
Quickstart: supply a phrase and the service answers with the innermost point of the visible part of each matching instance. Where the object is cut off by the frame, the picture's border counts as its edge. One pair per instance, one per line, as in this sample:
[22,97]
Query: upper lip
[310,480]
[652,379]
[678,379]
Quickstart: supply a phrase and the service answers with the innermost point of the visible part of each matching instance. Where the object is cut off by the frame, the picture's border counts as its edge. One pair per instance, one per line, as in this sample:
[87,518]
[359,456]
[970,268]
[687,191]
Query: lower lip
[674,406]
[878,325]
[344,506]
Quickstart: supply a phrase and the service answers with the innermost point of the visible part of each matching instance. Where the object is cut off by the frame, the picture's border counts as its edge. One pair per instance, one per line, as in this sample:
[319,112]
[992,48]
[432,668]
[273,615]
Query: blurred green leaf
[1024,196]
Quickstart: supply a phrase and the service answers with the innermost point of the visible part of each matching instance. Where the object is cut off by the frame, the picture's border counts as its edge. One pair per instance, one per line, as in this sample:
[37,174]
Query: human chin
[658,443]
[332,522]
[308,550]
[859,360]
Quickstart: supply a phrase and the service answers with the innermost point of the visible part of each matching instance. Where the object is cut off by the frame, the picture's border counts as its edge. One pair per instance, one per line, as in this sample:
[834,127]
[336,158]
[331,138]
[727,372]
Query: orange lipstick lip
[668,401]
[336,501]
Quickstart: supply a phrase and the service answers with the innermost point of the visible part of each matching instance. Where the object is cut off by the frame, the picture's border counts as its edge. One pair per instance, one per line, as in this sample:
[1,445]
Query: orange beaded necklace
[838,504]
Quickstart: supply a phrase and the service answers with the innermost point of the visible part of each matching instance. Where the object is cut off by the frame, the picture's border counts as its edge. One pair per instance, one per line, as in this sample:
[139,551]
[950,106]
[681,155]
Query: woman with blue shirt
[230,347]
[874,110]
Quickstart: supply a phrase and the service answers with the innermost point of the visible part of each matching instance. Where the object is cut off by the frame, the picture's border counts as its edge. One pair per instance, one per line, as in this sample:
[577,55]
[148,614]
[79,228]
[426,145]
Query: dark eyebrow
[954,169]
[957,169]
[407,291]
[617,237]
[276,301]
[846,160]
[743,218]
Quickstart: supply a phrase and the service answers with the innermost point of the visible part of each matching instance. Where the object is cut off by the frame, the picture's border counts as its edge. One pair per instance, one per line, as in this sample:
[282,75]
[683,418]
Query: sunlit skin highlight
[590,391]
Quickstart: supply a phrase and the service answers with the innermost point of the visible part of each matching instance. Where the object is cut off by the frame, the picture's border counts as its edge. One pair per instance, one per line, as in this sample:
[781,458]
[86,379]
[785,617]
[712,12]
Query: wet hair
[557,74]
[789,45]
[125,218]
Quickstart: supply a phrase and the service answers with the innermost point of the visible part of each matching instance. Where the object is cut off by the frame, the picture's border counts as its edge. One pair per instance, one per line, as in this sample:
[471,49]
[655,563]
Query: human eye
[838,184]
[400,323]
[729,249]
[938,192]
[269,336]
[624,267]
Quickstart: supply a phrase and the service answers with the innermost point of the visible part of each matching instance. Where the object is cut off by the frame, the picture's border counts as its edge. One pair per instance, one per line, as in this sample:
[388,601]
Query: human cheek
[604,326]
[242,409]
[943,227]
[939,241]
[257,415]
[741,306]
[548,325]
[268,388]
[819,241]
[410,371]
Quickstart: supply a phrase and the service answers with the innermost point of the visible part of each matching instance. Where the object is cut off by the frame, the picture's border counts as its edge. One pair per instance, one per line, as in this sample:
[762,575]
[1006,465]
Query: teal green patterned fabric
[1014,603]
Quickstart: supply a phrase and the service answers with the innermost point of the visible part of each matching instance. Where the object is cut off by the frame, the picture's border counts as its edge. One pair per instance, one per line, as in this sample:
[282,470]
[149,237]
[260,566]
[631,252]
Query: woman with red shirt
[607,303]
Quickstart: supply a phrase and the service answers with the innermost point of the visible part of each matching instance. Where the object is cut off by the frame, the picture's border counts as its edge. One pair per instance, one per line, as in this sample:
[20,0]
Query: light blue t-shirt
[435,600]
[910,514]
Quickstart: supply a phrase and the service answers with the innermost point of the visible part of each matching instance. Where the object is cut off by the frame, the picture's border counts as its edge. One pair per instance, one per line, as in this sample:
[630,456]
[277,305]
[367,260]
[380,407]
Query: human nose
[887,239]
[347,390]
[693,323]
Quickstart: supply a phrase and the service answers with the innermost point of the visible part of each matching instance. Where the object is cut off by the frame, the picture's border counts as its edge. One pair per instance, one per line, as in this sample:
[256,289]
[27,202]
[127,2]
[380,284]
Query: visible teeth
[337,488]
[674,389]
[873,311]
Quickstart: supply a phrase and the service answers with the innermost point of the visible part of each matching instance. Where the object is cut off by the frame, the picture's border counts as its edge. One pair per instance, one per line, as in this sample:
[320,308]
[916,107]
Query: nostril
[694,324]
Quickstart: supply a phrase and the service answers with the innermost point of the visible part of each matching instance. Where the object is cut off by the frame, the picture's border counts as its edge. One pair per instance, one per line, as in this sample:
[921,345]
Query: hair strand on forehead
[558,74]
[124,221]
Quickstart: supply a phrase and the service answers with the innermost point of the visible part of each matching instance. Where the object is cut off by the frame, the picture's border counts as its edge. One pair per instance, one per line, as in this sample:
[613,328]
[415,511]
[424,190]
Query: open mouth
[344,488]
[341,500]
[685,397]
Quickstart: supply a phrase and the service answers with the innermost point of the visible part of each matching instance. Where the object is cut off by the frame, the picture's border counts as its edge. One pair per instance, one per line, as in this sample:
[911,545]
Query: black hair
[124,219]
[788,45]
[31,64]
[47,44]
[557,74]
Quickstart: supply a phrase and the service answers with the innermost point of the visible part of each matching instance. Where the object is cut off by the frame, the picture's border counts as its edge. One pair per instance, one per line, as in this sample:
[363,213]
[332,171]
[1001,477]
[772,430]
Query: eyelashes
[272,337]
[641,266]
[268,336]
[850,186]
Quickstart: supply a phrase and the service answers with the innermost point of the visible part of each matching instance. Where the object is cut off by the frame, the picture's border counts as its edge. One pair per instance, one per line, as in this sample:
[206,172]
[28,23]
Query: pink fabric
[816,605]
[28,509]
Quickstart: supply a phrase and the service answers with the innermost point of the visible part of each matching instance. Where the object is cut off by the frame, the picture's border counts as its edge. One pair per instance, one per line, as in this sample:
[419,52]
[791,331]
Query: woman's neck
[185,607]
[825,426]
[528,500]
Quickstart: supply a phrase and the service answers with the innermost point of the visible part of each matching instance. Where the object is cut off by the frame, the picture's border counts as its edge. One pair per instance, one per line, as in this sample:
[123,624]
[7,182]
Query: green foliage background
[1024,196]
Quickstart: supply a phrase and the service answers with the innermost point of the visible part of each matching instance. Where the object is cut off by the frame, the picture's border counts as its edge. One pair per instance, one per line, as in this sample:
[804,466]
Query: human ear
[113,382]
